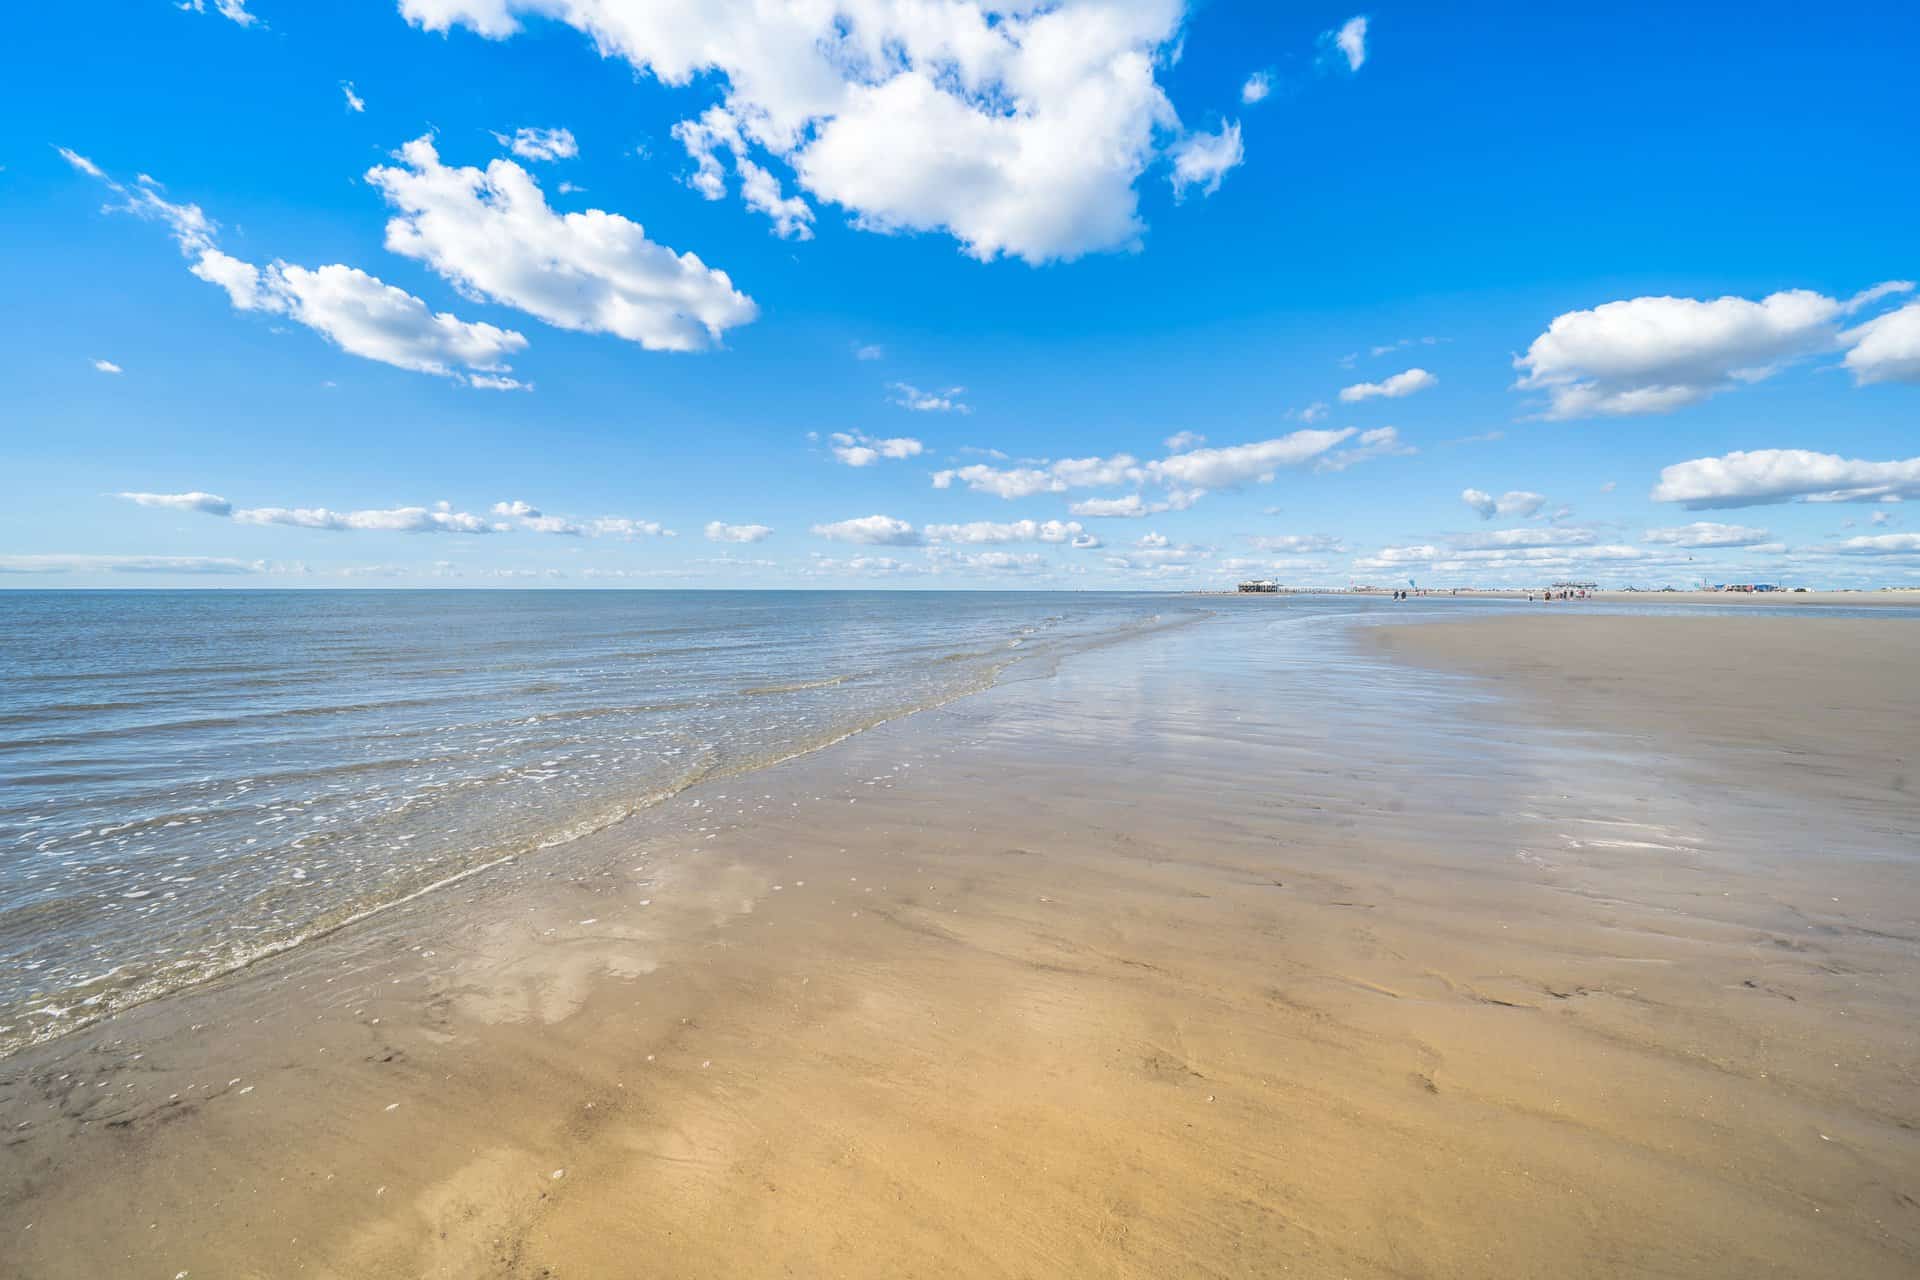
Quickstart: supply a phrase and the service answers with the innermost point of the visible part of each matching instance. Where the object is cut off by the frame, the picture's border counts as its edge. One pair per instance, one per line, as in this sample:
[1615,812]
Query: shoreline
[1211,987]
[1878,597]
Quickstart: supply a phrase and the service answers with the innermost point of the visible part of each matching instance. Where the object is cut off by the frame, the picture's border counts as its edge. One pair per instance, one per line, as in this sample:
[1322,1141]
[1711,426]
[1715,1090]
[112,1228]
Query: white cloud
[497,382]
[1203,159]
[1705,533]
[1186,476]
[1351,40]
[1131,507]
[540,145]
[557,525]
[440,518]
[208,503]
[1235,465]
[858,450]
[492,234]
[129,564]
[717,531]
[1314,412]
[718,129]
[1067,532]
[1886,348]
[357,312]
[516,510]
[1381,442]
[1514,502]
[1387,348]
[627,529]
[367,317]
[908,396]
[1003,482]
[1257,88]
[1657,354]
[81,163]
[1018,129]
[869,351]
[883,531]
[987,561]
[1400,384]
[355,102]
[865,566]
[1181,441]
[1763,476]
[232,10]
[107,366]
[1880,544]
[1296,543]
[1502,539]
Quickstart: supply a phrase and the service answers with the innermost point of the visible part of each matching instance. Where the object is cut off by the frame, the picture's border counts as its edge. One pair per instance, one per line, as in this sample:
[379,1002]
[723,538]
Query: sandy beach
[1564,945]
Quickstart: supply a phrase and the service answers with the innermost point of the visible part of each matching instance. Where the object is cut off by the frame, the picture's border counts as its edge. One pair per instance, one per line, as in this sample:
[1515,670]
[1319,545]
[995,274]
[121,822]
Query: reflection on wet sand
[1240,950]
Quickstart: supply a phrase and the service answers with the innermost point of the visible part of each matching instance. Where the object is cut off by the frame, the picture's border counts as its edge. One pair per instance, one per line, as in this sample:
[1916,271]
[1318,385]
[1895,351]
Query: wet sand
[1259,948]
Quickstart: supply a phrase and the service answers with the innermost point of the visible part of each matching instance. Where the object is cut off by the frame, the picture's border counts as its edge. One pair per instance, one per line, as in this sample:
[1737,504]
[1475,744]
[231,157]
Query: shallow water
[190,780]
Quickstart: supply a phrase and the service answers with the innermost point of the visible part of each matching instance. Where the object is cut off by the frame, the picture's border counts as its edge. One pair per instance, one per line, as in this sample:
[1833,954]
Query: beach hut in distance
[1259,584]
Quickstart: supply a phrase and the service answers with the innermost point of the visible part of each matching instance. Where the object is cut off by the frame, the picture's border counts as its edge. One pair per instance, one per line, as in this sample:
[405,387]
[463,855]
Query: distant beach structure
[1262,584]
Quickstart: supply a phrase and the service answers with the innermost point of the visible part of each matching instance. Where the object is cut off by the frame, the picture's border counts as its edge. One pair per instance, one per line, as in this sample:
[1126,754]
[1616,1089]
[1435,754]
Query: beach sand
[1572,945]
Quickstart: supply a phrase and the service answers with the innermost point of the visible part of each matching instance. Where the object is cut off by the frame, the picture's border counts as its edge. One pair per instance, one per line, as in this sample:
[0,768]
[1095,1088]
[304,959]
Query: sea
[190,781]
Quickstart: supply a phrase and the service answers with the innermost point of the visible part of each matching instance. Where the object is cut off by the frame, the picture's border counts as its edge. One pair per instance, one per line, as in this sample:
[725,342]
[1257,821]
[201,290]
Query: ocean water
[192,780]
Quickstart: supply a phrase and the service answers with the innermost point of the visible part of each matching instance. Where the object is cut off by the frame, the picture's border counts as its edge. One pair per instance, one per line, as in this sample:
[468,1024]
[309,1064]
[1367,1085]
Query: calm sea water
[191,780]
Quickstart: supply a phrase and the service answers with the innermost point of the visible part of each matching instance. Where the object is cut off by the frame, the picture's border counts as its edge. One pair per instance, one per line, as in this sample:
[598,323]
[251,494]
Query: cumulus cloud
[1514,502]
[717,531]
[1186,476]
[718,130]
[1400,384]
[1068,532]
[858,450]
[864,566]
[1019,130]
[233,10]
[943,558]
[1705,533]
[1181,441]
[1879,544]
[1522,564]
[440,518]
[1258,87]
[911,397]
[207,503]
[1296,543]
[881,531]
[492,235]
[1236,465]
[1351,40]
[541,145]
[107,366]
[1886,348]
[355,102]
[1657,354]
[1524,537]
[358,313]
[1764,476]
[1203,159]
[627,529]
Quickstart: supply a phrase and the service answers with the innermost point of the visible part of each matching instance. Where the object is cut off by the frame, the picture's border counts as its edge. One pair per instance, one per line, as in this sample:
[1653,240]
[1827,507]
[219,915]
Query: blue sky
[1000,257]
